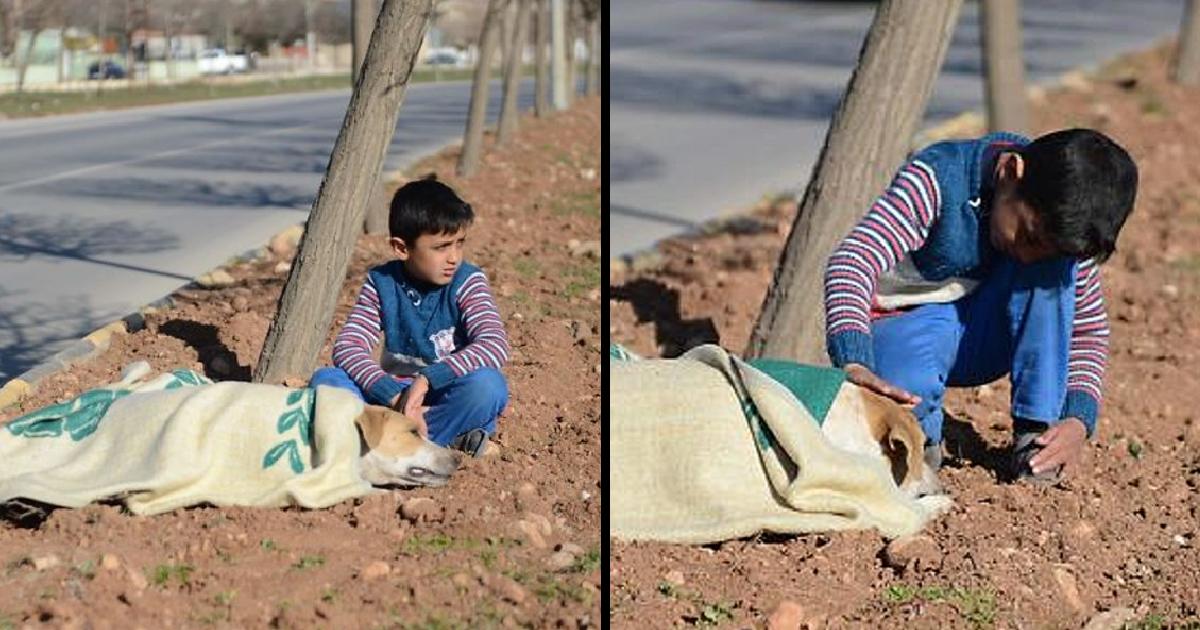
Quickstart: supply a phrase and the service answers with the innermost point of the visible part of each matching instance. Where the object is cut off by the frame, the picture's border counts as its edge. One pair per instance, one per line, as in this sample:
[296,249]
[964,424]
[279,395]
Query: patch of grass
[328,595]
[1135,449]
[1190,264]
[526,267]
[433,621]
[1152,105]
[1151,621]
[308,562]
[225,598]
[267,544]
[163,574]
[581,278]
[588,562]
[488,557]
[977,606]
[434,543]
[87,569]
[550,589]
[584,203]
[715,614]
[6,623]
[668,589]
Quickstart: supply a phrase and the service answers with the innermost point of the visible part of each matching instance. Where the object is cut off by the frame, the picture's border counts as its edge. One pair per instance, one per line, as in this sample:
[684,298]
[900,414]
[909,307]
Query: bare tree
[1187,67]
[33,17]
[867,140]
[509,114]
[1004,66]
[570,35]
[591,15]
[468,158]
[306,307]
[541,83]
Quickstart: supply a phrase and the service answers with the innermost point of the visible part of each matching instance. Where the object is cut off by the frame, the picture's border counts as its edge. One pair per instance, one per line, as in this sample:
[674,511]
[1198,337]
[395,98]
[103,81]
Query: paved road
[102,213]
[715,102]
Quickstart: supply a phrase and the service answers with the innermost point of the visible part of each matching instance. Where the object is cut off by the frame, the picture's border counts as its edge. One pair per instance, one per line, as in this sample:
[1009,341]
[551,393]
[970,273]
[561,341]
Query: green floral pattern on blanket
[299,416]
[80,417]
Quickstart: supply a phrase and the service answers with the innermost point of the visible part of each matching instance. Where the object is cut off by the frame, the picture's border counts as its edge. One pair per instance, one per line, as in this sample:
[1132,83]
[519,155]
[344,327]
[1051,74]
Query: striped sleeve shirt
[487,343]
[899,222]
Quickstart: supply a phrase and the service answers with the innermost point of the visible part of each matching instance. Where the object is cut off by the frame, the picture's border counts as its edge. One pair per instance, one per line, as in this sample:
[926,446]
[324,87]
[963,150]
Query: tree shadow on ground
[220,362]
[657,303]
[966,446]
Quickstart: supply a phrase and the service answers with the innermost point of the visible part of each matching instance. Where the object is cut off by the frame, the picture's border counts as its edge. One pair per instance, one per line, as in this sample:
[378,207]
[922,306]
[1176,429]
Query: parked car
[446,57]
[105,69]
[217,61]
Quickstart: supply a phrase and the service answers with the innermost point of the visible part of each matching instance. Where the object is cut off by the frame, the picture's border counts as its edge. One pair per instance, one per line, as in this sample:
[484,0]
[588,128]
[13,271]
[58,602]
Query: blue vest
[419,320]
[958,244]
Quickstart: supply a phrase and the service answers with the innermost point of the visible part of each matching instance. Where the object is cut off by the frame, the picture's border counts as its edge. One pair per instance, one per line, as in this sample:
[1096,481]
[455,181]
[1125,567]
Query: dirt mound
[512,540]
[1122,533]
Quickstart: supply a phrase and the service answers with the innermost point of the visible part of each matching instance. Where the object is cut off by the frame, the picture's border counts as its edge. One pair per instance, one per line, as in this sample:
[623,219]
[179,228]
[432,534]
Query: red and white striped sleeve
[1088,355]
[487,342]
[353,346]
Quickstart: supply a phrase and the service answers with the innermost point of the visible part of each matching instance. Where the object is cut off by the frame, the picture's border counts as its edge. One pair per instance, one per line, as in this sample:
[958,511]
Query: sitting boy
[444,342]
[981,260]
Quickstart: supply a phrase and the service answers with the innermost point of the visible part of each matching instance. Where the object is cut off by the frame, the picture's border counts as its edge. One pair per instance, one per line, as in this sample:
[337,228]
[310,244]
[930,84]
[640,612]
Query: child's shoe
[473,442]
[933,456]
[1024,447]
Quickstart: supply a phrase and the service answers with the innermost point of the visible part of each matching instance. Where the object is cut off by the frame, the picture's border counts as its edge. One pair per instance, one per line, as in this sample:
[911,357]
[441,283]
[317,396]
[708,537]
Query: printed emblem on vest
[443,342]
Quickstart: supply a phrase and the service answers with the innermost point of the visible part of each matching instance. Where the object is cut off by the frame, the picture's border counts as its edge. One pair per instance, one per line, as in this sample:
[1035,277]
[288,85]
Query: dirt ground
[1121,534]
[512,540]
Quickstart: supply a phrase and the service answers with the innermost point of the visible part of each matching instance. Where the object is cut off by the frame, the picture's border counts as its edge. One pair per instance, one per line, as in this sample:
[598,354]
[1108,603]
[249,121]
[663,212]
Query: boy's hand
[1062,444]
[858,374]
[411,401]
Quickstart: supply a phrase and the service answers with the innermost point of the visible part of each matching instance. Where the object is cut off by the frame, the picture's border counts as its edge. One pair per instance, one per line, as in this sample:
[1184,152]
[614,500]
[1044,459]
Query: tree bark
[468,158]
[594,52]
[569,35]
[867,140]
[362,22]
[509,112]
[306,307]
[558,54]
[541,83]
[33,35]
[1004,66]
[1187,67]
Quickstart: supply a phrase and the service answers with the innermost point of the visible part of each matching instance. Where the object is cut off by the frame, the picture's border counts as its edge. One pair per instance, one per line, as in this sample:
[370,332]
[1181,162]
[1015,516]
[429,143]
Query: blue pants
[469,402]
[1017,321]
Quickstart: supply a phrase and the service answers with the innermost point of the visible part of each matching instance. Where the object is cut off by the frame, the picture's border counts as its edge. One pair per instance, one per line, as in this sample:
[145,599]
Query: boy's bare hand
[411,403]
[858,374]
[1062,444]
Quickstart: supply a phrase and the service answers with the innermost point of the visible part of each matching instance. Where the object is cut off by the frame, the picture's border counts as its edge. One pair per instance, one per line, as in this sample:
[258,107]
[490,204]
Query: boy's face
[433,258]
[1016,228]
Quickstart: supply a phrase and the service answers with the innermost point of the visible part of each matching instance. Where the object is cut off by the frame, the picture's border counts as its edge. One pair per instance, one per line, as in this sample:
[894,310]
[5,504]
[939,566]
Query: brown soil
[1122,533]
[466,561]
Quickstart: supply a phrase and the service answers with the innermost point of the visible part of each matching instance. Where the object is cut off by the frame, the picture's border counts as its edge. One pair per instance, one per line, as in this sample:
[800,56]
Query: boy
[980,260]
[443,339]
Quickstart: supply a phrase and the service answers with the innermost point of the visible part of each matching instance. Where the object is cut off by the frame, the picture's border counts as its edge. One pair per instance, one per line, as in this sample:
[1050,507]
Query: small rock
[419,509]
[461,580]
[560,560]
[588,174]
[48,561]
[570,548]
[527,530]
[110,562]
[136,578]
[674,576]
[919,551]
[285,243]
[239,303]
[508,589]
[1066,585]
[788,615]
[526,491]
[594,294]
[216,279]
[283,267]
[1170,291]
[1114,619]
[590,249]
[375,570]
[544,525]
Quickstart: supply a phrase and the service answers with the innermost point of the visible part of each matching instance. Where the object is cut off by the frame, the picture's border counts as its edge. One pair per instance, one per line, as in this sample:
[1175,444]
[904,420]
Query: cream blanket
[180,440]
[705,448]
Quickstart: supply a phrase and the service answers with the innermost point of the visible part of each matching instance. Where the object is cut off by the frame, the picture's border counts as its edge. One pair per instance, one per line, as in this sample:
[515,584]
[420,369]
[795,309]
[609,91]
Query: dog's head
[394,453]
[902,442]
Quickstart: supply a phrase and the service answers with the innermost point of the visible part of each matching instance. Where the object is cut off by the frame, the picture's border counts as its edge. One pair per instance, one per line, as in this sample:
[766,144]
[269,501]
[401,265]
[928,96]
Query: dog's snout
[456,458]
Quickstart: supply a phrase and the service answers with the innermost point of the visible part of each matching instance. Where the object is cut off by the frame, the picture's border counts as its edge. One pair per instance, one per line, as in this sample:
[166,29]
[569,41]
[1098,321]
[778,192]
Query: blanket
[179,439]
[705,448]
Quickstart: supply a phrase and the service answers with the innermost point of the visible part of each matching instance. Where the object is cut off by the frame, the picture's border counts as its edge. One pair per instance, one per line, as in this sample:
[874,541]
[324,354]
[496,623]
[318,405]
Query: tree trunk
[468,159]
[558,54]
[1004,66]
[541,84]
[1187,68]
[509,112]
[867,140]
[362,22]
[33,35]
[594,52]
[377,210]
[306,307]
[569,35]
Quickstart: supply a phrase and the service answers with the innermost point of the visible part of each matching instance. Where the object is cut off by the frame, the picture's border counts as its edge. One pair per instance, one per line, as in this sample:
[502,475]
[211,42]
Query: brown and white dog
[861,421]
[395,454]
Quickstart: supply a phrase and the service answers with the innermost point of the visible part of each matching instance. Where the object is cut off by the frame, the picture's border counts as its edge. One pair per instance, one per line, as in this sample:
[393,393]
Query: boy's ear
[1011,166]
[399,247]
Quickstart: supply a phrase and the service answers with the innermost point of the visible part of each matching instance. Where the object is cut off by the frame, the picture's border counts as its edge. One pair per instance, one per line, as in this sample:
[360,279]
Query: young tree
[509,114]
[1187,66]
[306,307]
[468,158]
[1004,66]
[591,14]
[867,139]
[541,83]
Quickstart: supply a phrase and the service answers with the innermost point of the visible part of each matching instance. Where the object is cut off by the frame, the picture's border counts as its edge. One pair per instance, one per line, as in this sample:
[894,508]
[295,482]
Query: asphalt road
[103,213]
[716,102]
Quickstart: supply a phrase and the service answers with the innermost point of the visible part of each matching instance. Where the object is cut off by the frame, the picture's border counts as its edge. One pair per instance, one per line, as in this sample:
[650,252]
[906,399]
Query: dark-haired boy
[981,260]
[444,342]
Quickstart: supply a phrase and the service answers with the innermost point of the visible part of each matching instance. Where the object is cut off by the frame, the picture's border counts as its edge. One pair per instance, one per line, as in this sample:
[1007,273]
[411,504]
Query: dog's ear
[895,427]
[372,420]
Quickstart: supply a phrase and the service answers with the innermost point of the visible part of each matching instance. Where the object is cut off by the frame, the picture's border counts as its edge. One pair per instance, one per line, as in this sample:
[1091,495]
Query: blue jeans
[473,401]
[1017,321]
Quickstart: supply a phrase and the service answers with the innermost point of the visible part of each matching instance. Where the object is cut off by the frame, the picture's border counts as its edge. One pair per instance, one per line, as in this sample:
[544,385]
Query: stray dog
[861,421]
[394,453]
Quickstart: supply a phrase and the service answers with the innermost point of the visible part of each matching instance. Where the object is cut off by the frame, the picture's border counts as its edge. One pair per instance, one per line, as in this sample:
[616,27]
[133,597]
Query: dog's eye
[416,432]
